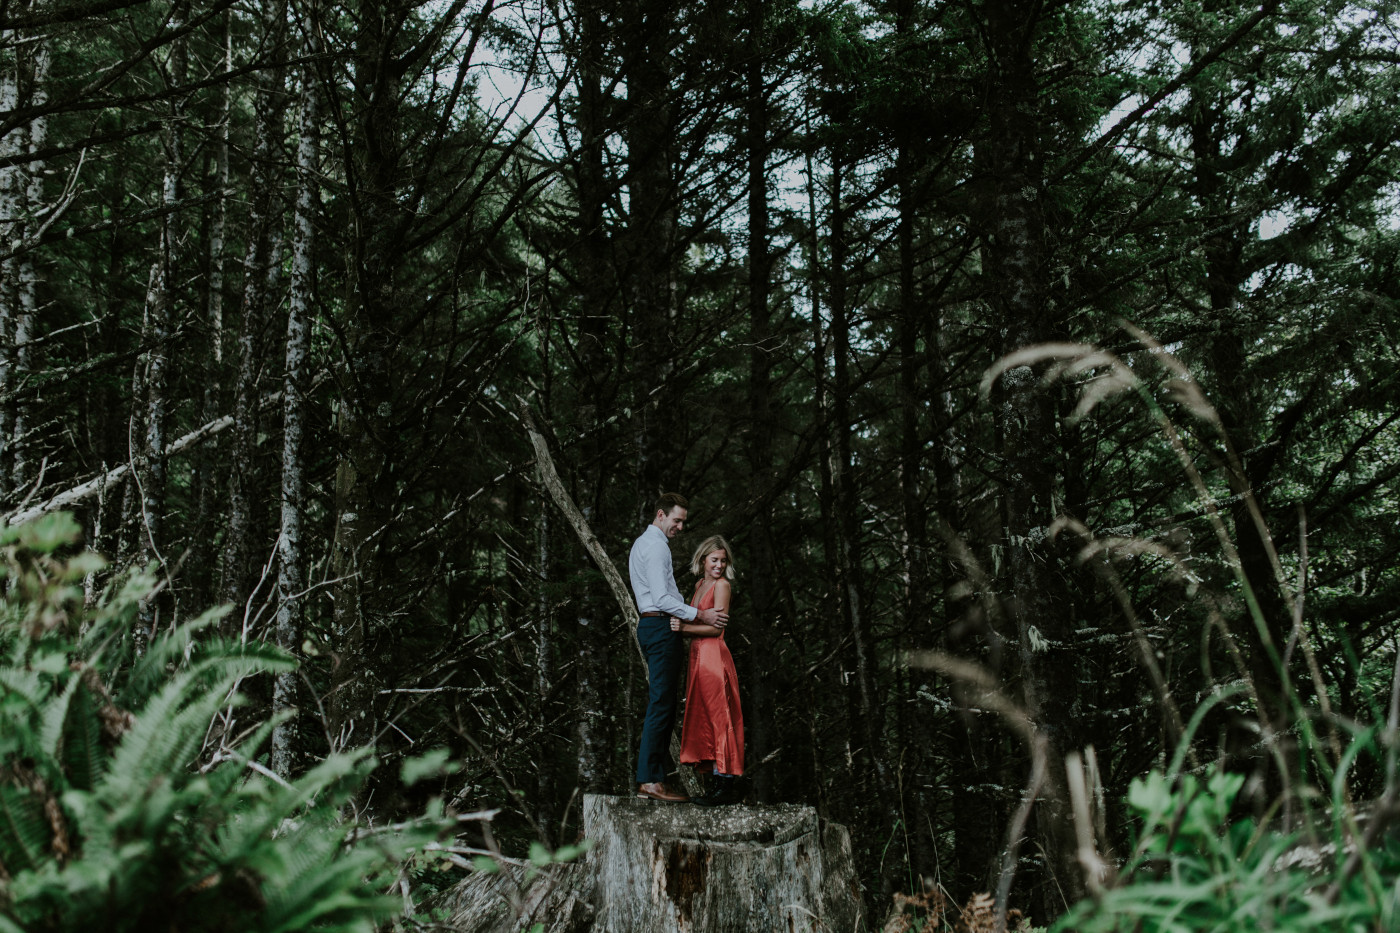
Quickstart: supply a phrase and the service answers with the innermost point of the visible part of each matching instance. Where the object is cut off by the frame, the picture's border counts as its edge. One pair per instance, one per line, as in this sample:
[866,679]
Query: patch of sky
[1273,224]
[515,82]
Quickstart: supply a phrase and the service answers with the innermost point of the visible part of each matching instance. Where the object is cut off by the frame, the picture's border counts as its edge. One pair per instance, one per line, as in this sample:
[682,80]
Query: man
[654,584]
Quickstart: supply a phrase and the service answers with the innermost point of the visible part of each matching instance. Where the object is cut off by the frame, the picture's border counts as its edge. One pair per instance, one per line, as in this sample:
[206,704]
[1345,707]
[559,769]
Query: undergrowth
[116,815]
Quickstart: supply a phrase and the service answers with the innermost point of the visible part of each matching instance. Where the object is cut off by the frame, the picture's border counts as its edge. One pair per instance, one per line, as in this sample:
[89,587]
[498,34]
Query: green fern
[107,832]
[24,833]
[82,758]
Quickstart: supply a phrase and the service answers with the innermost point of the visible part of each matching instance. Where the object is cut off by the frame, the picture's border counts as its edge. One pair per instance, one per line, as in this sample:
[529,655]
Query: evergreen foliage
[763,253]
[114,815]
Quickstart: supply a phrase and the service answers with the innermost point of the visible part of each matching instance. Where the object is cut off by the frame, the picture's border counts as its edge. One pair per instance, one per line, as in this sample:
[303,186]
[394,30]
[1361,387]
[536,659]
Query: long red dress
[714,724]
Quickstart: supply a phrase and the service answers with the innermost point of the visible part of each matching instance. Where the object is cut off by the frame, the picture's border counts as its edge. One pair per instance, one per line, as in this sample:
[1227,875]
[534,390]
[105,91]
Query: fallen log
[112,477]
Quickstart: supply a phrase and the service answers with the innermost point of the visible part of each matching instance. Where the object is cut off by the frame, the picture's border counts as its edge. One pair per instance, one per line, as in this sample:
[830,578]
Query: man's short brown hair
[670,500]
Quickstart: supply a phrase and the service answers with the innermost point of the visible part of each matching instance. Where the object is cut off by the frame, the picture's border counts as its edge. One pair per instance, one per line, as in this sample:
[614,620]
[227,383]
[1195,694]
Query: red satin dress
[714,724]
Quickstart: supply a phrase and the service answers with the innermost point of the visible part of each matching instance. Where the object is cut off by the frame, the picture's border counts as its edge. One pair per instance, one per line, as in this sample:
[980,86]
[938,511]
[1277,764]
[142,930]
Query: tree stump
[677,868]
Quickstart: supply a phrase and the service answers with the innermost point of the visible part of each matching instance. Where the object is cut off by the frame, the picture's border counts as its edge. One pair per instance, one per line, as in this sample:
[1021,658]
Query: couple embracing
[712,734]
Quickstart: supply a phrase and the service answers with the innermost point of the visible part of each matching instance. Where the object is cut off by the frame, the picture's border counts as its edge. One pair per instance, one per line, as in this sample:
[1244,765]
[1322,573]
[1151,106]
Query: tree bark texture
[161,295]
[11,181]
[649,273]
[875,779]
[290,577]
[598,368]
[1240,406]
[1016,261]
[678,869]
[366,375]
[261,266]
[760,581]
[32,209]
[722,870]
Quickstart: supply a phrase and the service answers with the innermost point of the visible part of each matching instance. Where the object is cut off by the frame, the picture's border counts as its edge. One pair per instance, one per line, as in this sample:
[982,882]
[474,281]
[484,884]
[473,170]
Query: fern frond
[167,651]
[170,727]
[320,883]
[26,685]
[24,832]
[83,760]
[239,837]
[55,714]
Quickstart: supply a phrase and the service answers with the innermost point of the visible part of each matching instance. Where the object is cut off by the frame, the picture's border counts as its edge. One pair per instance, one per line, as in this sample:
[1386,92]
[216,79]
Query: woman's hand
[675,624]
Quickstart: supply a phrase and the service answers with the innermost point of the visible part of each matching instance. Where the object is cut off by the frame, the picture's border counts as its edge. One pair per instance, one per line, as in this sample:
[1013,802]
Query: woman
[712,737]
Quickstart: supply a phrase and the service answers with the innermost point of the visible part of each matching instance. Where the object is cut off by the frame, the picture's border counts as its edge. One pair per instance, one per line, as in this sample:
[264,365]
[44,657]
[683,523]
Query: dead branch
[549,476]
[119,474]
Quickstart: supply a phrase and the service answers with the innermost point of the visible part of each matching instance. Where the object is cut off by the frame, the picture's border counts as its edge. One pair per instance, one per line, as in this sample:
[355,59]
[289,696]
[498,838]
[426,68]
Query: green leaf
[24,832]
[55,715]
[429,764]
[569,853]
[48,533]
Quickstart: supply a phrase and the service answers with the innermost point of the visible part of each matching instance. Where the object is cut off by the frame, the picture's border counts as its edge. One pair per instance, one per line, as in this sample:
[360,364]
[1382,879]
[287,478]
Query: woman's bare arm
[699,629]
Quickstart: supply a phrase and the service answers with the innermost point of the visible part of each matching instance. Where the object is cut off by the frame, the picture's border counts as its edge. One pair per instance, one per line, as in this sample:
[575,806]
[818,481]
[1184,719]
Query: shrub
[1195,871]
[107,820]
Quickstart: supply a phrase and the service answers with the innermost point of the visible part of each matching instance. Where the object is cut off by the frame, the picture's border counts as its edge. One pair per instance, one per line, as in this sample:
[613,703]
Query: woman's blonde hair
[707,547]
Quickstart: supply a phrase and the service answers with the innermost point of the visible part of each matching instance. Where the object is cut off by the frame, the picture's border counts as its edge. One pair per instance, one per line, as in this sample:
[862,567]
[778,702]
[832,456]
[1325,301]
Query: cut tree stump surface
[679,868]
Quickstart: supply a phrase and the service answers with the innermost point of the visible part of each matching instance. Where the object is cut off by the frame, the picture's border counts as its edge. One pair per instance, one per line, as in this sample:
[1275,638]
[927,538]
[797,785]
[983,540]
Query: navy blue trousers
[664,651]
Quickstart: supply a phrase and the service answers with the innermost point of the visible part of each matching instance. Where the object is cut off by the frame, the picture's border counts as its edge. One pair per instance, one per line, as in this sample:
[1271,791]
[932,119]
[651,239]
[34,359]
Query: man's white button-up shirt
[653,581]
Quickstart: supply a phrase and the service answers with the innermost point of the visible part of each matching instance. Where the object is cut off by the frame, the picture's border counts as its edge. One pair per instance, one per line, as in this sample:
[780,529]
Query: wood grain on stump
[678,868]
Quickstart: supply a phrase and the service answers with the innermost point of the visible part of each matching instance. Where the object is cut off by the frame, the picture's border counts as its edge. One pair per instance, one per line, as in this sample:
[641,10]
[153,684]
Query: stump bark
[678,868]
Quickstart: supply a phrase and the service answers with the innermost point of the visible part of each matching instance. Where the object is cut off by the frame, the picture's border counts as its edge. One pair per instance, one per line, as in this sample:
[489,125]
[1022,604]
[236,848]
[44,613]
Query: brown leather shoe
[658,791]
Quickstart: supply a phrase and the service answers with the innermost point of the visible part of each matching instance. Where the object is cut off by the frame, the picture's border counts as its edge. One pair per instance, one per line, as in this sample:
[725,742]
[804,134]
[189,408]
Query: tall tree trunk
[1016,258]
[1239,400]
[161,294]
[206,483]
[650,270]
[819,275]
[912,330]
[597,368]
[28,285]
[876,779]
[366,375]
[290,559]
[108,433]
[759,582]
[544,672]
[11,187]
[259,270]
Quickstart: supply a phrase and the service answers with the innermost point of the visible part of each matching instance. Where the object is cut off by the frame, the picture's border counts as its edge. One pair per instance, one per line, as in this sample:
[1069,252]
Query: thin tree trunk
[842,784]
[269,105]
[1239,402]
[11,183]
[28,291]
[366,378]
[589,636]
[912,330]
[290,579]
[876,779]
[160,297]
[206,480]
[759,582]
[650,271]
[544,672]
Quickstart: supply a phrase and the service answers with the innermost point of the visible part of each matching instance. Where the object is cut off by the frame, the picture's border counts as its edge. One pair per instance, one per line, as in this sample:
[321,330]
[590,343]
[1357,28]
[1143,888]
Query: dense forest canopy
[1054,339]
